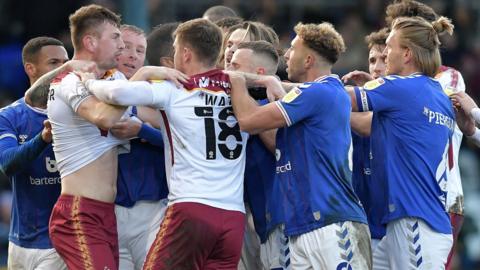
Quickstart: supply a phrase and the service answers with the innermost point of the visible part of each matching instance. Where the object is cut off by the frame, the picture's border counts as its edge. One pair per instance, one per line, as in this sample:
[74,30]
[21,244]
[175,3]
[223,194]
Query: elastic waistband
[84,201]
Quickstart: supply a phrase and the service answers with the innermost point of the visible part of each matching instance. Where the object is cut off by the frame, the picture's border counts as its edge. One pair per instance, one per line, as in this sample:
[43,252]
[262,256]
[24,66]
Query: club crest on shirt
[373,84]
[292,95]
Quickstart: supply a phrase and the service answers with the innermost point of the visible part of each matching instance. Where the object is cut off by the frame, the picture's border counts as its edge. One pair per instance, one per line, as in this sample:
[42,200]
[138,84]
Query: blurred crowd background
[24,19]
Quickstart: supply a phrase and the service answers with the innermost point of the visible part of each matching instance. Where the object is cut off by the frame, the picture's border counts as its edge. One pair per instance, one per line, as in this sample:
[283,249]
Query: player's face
[109,46]
[295,57]
[376,61]
[242,61]
[49,58]
[237,36]
[394,54]
[133,56]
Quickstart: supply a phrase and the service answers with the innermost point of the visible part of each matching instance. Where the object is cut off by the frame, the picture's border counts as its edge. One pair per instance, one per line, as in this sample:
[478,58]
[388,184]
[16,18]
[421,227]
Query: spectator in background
[216,13]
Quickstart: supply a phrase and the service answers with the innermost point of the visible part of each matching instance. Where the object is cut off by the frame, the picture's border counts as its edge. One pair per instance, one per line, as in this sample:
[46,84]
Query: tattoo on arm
[37,93]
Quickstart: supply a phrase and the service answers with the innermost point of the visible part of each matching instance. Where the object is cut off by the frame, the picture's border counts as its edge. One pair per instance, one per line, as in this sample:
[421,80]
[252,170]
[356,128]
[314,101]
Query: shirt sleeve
[72,91]
[14,157]
[126,93]
[299,104]
[378,95]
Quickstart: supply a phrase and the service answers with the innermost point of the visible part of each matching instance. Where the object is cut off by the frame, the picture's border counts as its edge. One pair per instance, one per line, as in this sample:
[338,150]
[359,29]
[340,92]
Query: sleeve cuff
[361,99]
[284,112]
[476,114]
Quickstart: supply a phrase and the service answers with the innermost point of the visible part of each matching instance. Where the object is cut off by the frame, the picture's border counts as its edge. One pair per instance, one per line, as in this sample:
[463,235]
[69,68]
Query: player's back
[204,148]
[36,185]
[415,124]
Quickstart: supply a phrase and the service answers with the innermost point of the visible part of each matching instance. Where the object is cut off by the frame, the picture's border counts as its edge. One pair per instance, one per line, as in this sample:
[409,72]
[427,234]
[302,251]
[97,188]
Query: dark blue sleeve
[152,135]
[14,157]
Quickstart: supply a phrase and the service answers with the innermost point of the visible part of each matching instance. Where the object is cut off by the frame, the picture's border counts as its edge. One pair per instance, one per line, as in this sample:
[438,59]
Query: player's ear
[89,42]
[30,69]
[309,61]
[187,54]
[408,55]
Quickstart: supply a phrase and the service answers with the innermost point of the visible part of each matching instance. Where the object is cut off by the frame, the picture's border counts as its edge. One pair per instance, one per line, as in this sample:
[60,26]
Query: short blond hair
[421,37]
[323,39]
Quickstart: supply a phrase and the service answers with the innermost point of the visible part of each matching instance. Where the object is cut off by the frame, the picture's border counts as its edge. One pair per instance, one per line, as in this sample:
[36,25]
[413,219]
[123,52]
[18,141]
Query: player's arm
[351,92]
[251,117]
[139,126]
[160,73]
[464,102]
[37,94]
[361,123]
[268,138]
[253,80]
[99,113]
[128,93]
[14,157]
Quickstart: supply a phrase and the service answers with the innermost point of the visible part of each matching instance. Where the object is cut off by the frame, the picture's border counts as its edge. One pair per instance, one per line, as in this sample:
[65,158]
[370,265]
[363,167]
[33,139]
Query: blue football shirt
[414,122]
[312,158]
[37,186]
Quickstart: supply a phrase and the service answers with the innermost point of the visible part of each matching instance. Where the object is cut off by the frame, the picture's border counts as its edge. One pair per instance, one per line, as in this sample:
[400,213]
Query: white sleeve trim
[475,137]
[8,135]
[364,100]
[476,114]
[284,113]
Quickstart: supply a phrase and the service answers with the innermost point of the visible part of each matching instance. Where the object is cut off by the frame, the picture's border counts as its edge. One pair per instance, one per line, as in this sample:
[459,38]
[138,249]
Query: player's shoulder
[450,78]
[394,81]
[65,80]
[14,108]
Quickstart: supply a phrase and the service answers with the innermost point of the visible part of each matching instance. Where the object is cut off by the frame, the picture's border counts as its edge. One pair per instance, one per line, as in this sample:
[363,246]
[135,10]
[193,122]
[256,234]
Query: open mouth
[129,65]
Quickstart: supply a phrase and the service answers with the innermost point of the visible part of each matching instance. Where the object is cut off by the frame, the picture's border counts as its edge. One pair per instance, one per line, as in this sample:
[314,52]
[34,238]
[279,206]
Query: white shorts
[137,227]
[341,246]
[411,244]
[275,252]
[375,243]
[20,258]
[250,257]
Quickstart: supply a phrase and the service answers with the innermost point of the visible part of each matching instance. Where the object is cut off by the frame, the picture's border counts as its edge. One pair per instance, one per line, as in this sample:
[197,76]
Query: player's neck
[82,55]
[409,70]
[194,68]
[314,74]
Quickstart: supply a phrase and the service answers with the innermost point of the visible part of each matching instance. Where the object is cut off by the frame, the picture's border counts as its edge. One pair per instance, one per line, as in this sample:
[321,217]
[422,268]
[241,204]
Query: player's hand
[160,73]
[81,66]
[85,76]
[359,78]
[274,87]
[126,129]
[465,122]
[463,101]
[47,132]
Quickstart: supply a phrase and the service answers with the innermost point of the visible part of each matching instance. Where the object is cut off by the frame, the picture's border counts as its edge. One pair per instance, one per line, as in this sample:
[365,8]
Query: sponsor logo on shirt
[278,154]
[51,165]
[42,181]
[282,168]
[292,95]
